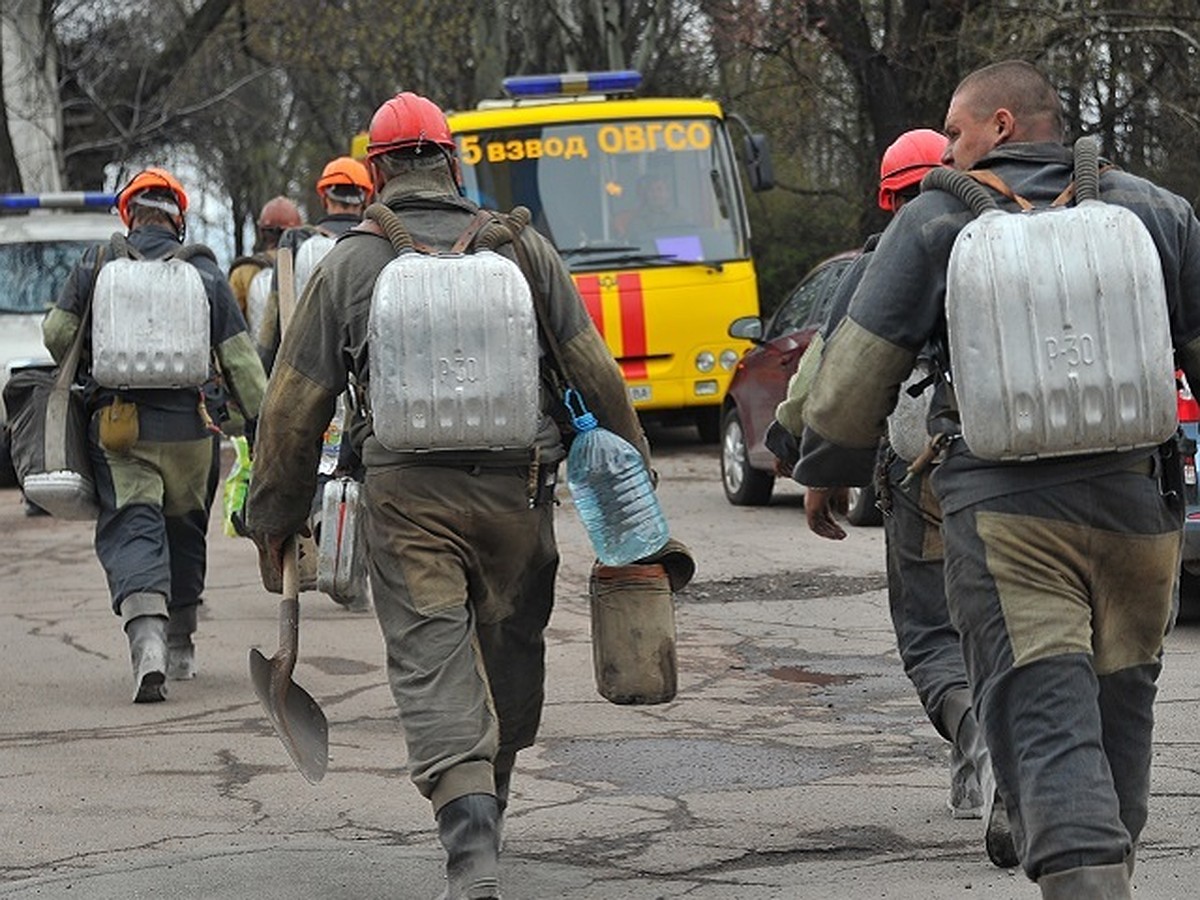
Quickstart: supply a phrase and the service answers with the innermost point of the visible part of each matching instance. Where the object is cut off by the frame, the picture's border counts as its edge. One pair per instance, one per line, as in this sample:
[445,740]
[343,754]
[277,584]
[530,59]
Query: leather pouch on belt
[118,426]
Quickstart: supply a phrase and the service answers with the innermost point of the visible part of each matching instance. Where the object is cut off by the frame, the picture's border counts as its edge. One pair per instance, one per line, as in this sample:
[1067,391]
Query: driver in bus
[656,208]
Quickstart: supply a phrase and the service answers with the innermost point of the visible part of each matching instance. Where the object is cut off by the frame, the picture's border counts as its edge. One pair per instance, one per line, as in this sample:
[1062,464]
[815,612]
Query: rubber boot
[966,795]
[1090,882]
[469,829]
[997,836]
[181,652]
[148,653]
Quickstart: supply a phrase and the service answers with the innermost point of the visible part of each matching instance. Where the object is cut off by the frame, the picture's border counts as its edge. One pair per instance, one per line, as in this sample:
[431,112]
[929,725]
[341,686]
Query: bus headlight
[729,359]
[705,361]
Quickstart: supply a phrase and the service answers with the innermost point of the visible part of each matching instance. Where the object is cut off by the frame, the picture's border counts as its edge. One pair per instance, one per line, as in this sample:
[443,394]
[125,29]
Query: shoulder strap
[190,251]
[1084,185]
[996,183]
[467,237]
[285,288]
[380,219]
[54,436]
[510,231]
[121,246]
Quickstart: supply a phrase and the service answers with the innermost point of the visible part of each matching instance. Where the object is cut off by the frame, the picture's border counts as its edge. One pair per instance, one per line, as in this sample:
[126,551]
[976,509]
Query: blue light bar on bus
[624,81]
[61,200]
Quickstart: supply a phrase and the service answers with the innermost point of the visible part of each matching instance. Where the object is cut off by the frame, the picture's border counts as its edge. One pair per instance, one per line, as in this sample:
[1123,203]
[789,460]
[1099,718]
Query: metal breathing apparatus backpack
[453,347]
[150,320]
[308,254]
[908,431]
[258,297]
[1057,327]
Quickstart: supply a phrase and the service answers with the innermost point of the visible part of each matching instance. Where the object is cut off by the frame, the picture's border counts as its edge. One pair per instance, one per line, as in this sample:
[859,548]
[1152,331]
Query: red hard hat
[280,212]
[407,120]
[906,161]
[152,178]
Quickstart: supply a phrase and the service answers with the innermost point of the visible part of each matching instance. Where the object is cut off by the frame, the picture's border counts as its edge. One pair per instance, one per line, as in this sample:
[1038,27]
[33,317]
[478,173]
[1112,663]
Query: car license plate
[639,393]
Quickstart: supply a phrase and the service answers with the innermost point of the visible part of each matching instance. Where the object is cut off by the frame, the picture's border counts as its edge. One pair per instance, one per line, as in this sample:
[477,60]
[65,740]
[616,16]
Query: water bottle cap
[583,420]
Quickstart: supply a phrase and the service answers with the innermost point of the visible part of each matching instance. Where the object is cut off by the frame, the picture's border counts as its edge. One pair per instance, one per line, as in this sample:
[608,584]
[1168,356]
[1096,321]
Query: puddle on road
[784,586]
[801,675]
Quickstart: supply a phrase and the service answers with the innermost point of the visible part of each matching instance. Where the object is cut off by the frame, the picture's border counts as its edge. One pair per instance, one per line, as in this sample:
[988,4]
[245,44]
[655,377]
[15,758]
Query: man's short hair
[1018,86]
[400,162]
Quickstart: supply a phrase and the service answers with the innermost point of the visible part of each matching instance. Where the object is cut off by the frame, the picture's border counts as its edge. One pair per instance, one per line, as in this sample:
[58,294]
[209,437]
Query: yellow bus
[643,199]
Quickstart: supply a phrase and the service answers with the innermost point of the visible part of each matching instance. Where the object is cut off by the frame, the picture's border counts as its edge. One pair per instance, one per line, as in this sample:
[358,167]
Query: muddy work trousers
[462,577]
[926,638]
[151,534]
[1062,597]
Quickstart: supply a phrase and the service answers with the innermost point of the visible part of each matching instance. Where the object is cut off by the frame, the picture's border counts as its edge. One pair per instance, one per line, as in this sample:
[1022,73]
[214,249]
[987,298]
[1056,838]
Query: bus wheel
[708,424]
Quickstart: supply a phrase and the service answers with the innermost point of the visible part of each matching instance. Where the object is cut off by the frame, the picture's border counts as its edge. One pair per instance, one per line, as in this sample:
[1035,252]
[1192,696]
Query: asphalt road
[795,761]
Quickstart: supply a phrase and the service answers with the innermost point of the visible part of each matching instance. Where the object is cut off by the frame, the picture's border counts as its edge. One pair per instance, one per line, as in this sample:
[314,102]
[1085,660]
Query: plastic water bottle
[611,488]
[331,442]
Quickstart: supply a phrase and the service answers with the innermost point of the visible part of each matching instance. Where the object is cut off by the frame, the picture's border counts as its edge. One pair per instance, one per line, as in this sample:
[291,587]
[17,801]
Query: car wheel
[744,485]
[863,510]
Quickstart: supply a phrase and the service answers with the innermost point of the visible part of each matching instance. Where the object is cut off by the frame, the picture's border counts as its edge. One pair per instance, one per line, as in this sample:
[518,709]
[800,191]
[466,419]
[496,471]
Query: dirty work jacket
[326,346]
[164,414]
[900,306]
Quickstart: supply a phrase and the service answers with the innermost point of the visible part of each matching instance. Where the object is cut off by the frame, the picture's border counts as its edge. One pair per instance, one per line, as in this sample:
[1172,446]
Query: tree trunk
[29,149]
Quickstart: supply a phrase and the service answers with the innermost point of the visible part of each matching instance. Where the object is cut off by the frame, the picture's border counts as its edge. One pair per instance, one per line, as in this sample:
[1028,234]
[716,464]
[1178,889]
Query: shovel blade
[297,719]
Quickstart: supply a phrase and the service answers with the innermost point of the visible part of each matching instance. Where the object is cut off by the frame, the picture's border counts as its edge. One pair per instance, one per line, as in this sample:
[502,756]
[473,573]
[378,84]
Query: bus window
[596,189]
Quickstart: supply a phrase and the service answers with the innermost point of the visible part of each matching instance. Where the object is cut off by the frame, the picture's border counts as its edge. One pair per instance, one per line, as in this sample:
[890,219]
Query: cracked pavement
[795,761]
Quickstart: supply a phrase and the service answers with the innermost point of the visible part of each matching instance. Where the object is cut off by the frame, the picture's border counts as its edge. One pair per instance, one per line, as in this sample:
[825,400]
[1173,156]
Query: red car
[760,382]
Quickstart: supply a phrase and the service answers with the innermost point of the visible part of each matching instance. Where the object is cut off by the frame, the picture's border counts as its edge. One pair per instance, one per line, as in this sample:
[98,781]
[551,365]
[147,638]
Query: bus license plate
[639,393]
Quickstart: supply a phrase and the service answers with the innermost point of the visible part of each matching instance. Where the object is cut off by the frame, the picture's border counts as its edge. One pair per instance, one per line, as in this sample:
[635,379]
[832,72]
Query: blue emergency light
[623,81]
[60,200]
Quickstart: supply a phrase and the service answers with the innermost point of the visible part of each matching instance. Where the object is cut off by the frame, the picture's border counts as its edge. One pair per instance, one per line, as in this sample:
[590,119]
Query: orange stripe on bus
[633,325]
[589,290]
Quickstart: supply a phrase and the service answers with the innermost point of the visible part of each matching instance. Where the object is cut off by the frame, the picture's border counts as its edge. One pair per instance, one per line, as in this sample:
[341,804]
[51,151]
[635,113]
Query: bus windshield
[616,194]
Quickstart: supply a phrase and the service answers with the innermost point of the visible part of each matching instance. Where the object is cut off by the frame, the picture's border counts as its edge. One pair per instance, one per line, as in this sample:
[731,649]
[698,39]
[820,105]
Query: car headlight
[729,359]
[705,361]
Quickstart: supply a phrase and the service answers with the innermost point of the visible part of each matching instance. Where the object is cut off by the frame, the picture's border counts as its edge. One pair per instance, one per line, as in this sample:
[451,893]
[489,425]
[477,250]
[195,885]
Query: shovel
[297,718]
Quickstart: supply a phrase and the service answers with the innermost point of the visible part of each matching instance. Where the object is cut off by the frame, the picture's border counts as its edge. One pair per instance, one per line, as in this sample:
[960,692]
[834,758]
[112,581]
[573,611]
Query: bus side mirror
[759,169]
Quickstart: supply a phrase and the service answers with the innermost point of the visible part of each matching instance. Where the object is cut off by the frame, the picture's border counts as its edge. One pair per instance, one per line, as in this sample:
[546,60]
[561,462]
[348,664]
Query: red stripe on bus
[589,290]
[633,325]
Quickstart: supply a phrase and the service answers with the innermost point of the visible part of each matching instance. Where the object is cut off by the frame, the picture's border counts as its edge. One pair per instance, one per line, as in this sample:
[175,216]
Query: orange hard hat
[280,212]
[408,120]
[345,172]
[906,161]
[152,179]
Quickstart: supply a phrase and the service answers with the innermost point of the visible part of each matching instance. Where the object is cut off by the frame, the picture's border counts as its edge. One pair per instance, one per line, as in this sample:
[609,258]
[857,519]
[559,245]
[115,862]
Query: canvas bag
[48,424]
[1057,326]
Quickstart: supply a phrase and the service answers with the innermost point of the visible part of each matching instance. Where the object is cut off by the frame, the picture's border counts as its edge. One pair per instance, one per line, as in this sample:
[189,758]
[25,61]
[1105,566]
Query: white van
[41,238]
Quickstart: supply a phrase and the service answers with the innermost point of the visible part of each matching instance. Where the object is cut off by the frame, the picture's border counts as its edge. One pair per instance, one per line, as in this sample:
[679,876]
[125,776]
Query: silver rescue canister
[257,298]
[341,556]
[1058,333]
[311,252]
[453,354]
[150,325]
[908,425]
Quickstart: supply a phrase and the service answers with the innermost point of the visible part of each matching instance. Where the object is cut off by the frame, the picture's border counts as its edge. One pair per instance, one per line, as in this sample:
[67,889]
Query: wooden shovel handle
[289,606]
